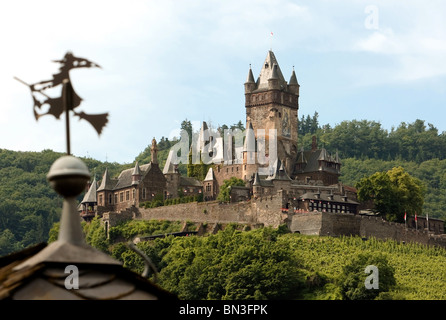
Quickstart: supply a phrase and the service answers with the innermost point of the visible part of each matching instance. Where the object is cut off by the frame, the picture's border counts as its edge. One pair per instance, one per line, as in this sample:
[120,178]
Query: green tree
[353,278]
[225,189]
[393,193]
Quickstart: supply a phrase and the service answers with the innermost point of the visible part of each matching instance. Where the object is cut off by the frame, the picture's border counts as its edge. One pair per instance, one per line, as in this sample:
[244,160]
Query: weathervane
[68,100]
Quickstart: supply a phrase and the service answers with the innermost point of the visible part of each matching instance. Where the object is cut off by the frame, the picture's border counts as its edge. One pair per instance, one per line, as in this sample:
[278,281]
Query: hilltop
[29,207]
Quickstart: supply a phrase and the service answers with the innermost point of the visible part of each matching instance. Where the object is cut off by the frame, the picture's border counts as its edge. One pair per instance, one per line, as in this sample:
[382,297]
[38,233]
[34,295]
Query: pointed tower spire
[267,72]
[250,78]
[106,183]
[256,179]
[293,79]
[136,174]
[250,84]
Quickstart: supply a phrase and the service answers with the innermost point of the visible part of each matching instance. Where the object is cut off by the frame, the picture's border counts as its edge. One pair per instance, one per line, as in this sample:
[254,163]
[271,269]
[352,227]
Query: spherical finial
[68,176]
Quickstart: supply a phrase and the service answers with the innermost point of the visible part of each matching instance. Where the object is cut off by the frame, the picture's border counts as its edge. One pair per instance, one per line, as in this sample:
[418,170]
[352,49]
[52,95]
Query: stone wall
[264,211]
[336,224]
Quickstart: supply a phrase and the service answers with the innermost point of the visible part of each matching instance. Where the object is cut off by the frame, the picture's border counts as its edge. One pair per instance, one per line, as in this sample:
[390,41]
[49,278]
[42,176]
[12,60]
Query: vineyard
[420,271]
[271,263]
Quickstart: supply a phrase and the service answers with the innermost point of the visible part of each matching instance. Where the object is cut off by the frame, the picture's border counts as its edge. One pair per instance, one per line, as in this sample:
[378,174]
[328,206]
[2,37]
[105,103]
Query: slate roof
[269,71]
[326,197]
[45,280]
[189,182]
[90,195]
[310,160]
[107,183]
[125,177]
[279,172]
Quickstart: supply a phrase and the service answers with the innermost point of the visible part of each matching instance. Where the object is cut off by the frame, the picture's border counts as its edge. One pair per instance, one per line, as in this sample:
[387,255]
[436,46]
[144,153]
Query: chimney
[314,144]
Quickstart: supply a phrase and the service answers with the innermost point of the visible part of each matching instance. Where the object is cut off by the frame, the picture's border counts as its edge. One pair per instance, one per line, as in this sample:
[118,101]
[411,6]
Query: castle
[283,185]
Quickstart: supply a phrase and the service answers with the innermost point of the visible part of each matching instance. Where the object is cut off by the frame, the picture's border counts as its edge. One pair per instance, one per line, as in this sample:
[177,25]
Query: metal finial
[68,176]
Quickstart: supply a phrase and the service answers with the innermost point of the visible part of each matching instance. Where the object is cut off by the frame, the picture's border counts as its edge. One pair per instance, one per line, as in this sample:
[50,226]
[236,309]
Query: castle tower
[272,103]
[105,192]
[249,165]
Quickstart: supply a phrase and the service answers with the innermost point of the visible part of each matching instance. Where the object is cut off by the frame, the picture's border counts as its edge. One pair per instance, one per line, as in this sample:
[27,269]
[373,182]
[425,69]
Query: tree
[393,193]
[356,274]
[225,189]
[187,126]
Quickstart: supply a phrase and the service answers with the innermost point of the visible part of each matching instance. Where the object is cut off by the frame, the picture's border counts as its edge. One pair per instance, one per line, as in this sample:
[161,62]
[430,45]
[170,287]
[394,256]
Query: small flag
[405,216]
[415,216]
[272,33]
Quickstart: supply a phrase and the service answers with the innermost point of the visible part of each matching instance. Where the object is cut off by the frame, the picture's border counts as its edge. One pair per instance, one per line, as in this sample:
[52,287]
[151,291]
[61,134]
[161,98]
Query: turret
[136,174]
[250,83]
[293,85]
[256,186]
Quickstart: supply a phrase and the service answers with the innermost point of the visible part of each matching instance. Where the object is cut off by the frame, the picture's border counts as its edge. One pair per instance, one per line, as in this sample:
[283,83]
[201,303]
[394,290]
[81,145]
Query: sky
[166,61]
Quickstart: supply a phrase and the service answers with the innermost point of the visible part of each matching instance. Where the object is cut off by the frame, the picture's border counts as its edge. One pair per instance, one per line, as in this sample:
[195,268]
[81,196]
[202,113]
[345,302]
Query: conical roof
[250,140]
[267,71]
[256,179]
[279,172]
[293,79]
[106,183]
[136,170]
[91,196]
[169,167]
[250,78]
[210,175]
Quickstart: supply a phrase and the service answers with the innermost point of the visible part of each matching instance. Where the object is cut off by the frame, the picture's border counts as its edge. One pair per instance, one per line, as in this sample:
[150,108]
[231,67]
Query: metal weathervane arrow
[69,100]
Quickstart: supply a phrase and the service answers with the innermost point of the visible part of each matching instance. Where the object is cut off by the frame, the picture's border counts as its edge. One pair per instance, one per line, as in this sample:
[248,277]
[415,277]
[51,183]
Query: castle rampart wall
[336,224]
[265,211]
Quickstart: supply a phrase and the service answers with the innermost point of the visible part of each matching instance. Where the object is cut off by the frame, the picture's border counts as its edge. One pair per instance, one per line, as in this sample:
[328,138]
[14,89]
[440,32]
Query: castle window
[144,193]
[121,196]
[133,193]
[116,198]
[100,199]
[127,195]
[109,198]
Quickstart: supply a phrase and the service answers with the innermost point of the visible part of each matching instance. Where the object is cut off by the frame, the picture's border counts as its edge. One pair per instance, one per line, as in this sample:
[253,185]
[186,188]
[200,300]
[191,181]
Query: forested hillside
[29,207]
[365,148]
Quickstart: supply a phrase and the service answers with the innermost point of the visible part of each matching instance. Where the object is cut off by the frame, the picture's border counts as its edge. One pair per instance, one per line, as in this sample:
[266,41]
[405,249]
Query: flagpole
[271,42]
[405,217]
[416,221]
[66,98]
